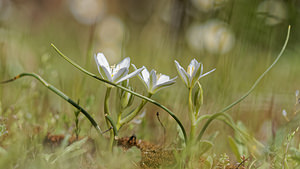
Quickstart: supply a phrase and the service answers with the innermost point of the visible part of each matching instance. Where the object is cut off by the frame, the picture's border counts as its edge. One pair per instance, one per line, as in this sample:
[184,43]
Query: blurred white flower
[193,74]
[194,37]
[115,74]
[111,30]
[284,113]
[87,11]
[272,11]
[110,35]
[213,36]
[153,81]
[218,38]
[208,5]
[297,93]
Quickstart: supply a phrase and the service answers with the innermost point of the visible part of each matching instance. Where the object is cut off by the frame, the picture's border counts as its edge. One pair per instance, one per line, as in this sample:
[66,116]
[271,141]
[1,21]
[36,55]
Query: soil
[152,155]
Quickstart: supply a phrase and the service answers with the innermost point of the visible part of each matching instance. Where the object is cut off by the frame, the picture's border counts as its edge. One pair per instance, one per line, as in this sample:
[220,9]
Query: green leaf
[204,146]
[234,148]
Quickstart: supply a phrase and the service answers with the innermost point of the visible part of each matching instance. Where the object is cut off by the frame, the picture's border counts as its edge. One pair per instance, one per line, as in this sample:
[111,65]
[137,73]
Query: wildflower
[116,73]
[193,74]
[153,81]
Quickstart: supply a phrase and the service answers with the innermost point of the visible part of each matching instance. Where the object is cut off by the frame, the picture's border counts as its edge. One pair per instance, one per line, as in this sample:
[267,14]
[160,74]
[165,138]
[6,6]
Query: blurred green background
[240,38]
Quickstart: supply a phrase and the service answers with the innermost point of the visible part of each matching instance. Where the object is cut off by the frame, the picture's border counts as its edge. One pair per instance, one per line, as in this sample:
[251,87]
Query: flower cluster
[152,80]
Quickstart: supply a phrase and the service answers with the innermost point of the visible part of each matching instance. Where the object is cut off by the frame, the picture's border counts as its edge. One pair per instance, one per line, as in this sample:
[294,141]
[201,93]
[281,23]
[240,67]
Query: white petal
[144,81]
[152,79]
[163,85]
[207,73]
[162,79]
[197,66]
[196,75]
[192,67]
[130,75]
[140,76]
[194,62]
[182,73]
[105,73]
[101,60]
[201,68]
[121,73]
[145,76]
[124,63]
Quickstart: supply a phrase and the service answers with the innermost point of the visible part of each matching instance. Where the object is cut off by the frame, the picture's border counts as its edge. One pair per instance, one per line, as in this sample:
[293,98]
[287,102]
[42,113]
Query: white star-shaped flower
[193,74]
[153,81]
[116,73]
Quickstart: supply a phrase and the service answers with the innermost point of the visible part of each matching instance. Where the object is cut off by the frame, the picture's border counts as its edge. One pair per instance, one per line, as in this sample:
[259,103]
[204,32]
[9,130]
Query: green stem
[109,121]
[192,115]
[59,93]
[247,93]
[206,116]
[133,114]
[201,100]
[115,131]
[106,101]
[125,89]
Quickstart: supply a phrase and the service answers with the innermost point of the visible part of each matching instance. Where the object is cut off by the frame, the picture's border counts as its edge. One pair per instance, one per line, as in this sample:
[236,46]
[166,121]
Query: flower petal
[162,78]
[124,63]
[152,80]
[132,74]
[182,73]
[101,61]
[163,85]
[207,73]
[196,77]
[197,66]
[141,76]
[145,76]
[105,73]
[192,67]
[121,73]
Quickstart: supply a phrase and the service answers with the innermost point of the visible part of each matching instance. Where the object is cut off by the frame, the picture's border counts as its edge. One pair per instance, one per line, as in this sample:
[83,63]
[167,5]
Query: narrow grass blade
[59,93]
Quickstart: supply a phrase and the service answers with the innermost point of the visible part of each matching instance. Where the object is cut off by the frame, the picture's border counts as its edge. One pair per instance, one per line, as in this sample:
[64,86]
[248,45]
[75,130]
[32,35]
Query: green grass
[28,110]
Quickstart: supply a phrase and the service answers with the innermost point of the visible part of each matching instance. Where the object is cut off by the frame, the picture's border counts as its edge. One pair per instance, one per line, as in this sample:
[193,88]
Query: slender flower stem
[133,114]
[201,100]
[125,89]
[109,121]
[192,115]
[59,93]
[249,91]
[205,116]
[115,131]
[106,101]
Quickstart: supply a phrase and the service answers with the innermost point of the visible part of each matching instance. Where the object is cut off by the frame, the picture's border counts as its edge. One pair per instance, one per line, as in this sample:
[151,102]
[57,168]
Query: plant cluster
[118,77]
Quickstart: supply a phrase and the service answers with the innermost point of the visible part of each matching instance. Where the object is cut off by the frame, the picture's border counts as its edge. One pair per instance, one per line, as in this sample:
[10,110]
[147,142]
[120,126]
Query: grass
[37,127]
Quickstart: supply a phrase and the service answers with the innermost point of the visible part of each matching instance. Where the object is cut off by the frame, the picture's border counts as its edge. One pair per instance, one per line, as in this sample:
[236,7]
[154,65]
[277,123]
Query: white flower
[193,74]
[284,113]
[116,73]
[154,82]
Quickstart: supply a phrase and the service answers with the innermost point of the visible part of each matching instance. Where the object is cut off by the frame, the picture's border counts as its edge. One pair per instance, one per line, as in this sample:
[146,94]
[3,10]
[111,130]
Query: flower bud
[126,99]
[198,99]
